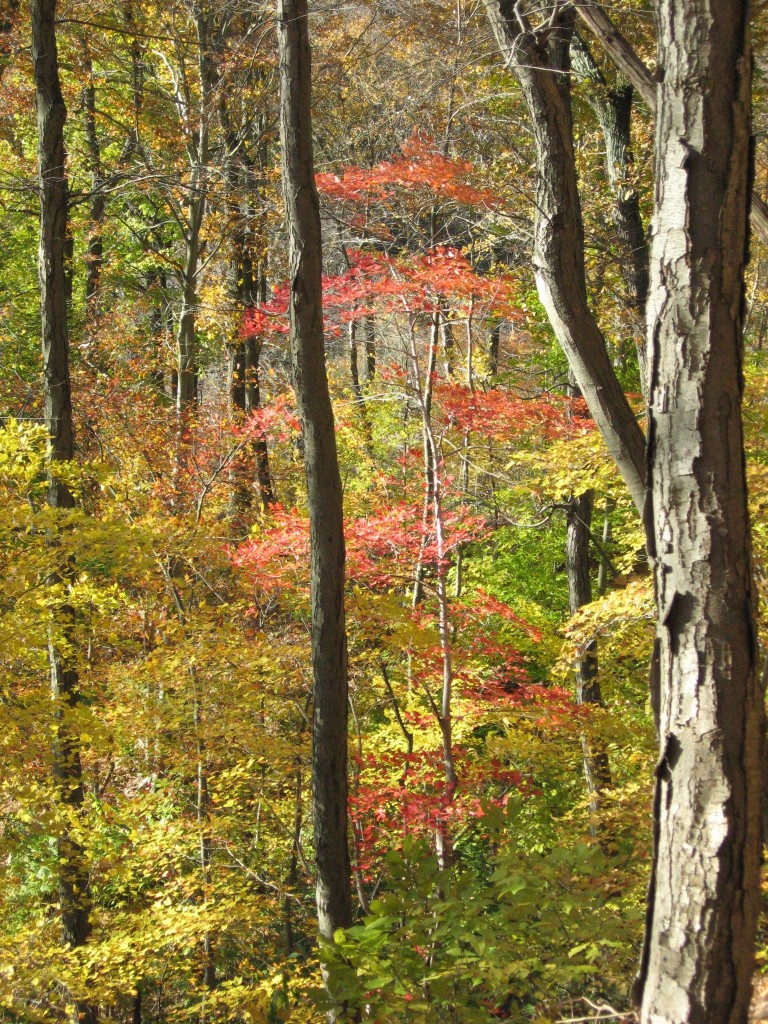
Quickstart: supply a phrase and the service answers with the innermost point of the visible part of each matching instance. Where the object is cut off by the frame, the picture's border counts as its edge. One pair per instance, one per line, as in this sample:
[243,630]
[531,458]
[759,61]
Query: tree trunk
[704,895]
[494,340]
[540,62]
[329,647]
[369,329]
[634,70]
[197,151]
[73,882]
[597,771]
[98,203]
[613,109]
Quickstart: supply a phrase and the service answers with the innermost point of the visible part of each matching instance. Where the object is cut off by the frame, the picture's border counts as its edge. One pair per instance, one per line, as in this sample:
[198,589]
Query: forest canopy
[383,479]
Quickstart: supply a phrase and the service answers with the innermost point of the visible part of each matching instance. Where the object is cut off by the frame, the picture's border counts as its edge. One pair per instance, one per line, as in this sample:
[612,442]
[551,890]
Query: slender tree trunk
[494,340]
[433,511]
[369,330]
[198,153]
[613,109]
[73,883]
[634,70]
[597,771]
[357,389]
[248,287]
[98,204]
[540,62]
[424,396]
[703,901]
[329,647]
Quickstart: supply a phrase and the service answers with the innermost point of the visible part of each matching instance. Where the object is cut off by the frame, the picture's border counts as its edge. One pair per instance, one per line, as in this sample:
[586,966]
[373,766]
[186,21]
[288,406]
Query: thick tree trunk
[540,62]
[329,648]
[703,901]
[73,880]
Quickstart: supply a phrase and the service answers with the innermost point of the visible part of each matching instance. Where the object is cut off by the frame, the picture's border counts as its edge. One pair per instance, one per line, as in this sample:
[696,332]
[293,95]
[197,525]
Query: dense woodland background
[500,613]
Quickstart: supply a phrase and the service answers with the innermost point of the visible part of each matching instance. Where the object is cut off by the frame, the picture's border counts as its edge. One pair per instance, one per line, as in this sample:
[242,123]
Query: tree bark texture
[578,514]
[612,104]
[198,154]
[635,71]
[703,900]
[540,62]
[329,648]
[73,881]
[98,200]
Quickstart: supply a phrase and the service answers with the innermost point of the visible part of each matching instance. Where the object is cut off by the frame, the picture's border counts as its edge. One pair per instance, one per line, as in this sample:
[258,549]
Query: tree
[627,61]
[698,958]
[73,882]
[540,61]
[329,645]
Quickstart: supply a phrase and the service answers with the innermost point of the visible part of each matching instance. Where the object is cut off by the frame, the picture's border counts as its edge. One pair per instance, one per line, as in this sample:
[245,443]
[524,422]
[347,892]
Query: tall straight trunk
[612,105]
[186,347]
[704,896]
[73,882]
[329,645]
[357,389]
[369,331]
[494,339]
[248,287]
[597,771]
[541,64]
[98,203]
[198,154]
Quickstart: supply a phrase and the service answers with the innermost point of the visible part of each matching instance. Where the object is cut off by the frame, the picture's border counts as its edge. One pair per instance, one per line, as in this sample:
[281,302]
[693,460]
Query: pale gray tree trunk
[73,882]
[704,896]
[539,59]
[329,647]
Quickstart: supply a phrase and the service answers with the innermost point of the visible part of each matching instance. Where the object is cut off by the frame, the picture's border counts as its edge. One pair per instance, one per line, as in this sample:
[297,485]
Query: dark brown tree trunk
[597,771]
[369,329]
[704,897]
[198,154]
[540,62]
[248,287]
[73,882]
[329,647]
[95,253]
[613,109]
[357,389]
[494,340]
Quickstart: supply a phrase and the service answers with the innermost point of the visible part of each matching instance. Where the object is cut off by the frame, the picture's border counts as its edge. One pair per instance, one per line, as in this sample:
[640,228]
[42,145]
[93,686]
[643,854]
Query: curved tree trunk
[540,62]
[704,896]
[329,647]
